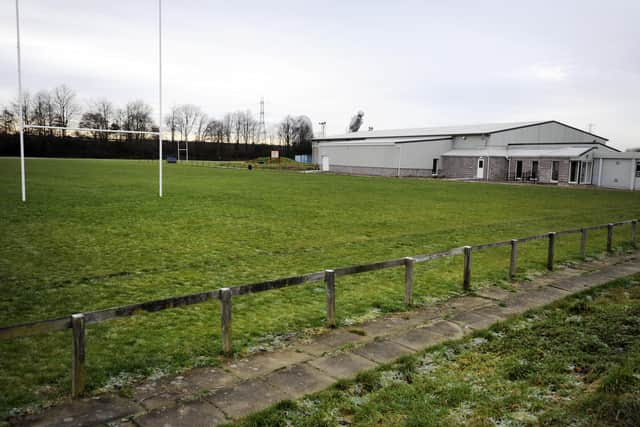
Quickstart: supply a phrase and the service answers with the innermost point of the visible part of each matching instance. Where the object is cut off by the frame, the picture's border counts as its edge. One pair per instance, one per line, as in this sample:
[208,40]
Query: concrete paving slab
[447,329]
[264,363]
[428,314]
[162,401]
[166,385]
[471,321]
[418,339]
[493,311]
[547,294]
[298,380]
[578,284]
[383,327]
[519,304]
[246,397]
[494,293]
[382,351]
[207,379]
[342,366]
[467,303]
[330,342]
[85,412]
[195,414]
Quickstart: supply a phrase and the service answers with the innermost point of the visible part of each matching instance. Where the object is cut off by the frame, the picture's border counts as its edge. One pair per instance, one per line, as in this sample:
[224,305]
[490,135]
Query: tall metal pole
[160,97]
[20,107]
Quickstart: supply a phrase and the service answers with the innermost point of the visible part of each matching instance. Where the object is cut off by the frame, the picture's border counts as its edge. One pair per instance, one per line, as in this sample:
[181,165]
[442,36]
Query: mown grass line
[576,362]
[94,235]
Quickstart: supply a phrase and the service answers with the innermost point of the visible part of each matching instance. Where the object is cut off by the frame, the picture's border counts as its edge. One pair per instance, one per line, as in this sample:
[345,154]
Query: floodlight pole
[160,97]
[20,100]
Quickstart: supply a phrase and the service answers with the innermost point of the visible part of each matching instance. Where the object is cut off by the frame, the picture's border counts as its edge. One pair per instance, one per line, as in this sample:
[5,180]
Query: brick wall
[365,170]
[544,169]
[498,168]
[459,167]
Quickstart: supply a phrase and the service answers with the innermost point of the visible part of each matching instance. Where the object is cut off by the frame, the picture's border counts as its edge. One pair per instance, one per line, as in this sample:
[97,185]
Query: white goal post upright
[20,100]
[22,125]
[160,98]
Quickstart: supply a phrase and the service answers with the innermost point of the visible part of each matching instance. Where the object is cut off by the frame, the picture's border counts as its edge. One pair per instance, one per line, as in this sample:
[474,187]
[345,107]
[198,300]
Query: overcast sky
[405,63]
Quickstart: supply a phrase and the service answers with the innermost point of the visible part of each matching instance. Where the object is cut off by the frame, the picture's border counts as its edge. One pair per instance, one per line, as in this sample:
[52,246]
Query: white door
[325,164]
[480,174]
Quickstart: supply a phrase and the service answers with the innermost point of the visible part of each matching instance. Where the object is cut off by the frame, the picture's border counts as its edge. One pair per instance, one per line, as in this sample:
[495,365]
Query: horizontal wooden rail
[150,306]
[98,316]
[491,245]
[37,327]
[277,284]
[368,267]
[429,257]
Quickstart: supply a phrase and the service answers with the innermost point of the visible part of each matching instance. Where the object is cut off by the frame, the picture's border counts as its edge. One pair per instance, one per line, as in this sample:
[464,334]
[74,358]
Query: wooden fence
[78,322]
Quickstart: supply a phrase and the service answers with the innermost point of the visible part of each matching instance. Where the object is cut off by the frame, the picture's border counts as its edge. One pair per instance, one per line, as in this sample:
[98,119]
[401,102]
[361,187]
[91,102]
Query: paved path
[211,396]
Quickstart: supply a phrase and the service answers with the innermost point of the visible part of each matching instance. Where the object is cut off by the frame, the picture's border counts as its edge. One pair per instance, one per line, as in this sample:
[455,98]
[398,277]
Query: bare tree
[65,106]
[98,116]
[27,109]
[188,116]
[237,125]
[227,127]
[171,121]
[286,131]
[201,127]
[40,106]
[137,117]
[7,121]
[248,126]
[215,131]
[117,123]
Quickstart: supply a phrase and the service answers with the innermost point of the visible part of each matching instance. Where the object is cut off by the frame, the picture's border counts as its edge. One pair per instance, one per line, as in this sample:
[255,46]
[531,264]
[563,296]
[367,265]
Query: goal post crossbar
[22,126]
[134,132]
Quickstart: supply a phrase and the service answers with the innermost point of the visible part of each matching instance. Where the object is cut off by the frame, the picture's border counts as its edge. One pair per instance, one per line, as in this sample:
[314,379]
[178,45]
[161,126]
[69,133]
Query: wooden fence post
[466,278]
[77,357]
[408,280]
[634,233]
[583,243]
[551,251]
[609,237]
[225,317]
[514,259]
[330,282]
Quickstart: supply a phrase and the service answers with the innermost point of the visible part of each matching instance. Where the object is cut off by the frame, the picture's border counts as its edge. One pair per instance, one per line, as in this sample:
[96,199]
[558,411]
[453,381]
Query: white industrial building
[542,151]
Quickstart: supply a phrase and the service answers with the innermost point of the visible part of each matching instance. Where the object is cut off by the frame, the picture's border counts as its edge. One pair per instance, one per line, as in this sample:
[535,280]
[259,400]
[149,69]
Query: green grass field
[574,363]
[94,235]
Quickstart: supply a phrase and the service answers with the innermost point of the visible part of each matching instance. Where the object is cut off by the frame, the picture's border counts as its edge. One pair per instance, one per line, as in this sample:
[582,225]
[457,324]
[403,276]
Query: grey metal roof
[383,141]
[476,129]
[560,152]
[564,152]
[600,154]
[477,152]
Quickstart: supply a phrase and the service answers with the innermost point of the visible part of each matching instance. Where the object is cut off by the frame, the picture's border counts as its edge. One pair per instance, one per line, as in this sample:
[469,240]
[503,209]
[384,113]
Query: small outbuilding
[542,151]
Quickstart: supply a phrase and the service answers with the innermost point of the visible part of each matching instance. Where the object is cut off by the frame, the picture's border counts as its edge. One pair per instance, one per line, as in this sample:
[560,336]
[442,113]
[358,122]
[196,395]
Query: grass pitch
[94,234]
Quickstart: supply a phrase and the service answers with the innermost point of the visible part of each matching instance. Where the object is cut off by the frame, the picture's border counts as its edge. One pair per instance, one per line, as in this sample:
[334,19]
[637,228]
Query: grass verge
[576,362]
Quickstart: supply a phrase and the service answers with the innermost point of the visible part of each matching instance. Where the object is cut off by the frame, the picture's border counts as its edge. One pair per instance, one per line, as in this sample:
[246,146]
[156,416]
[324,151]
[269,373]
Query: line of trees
[60,107]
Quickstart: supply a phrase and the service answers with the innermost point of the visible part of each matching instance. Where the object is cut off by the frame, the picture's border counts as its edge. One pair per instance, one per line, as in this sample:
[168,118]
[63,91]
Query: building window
[534,170]
[637,168]
[555,171]
[574,172]
[434,167]
[519,169]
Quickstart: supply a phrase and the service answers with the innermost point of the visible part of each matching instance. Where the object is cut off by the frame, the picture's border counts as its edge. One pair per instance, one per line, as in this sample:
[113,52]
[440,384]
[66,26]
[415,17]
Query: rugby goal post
[22,126]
